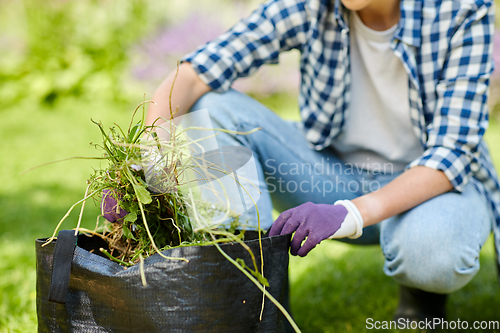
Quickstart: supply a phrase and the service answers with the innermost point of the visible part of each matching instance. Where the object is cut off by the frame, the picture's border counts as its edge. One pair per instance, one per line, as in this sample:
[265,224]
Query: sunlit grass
[31,204]
[17,292]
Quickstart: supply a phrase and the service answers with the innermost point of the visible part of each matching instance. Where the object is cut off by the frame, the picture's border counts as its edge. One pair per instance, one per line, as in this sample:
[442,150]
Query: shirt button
[474,167]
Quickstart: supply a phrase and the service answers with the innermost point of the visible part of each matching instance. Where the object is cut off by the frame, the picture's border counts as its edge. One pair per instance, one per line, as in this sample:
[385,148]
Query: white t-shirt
[378,134]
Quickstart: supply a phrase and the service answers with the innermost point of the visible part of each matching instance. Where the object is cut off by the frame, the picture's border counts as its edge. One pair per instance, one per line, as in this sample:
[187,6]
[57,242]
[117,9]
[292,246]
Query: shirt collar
[410,23]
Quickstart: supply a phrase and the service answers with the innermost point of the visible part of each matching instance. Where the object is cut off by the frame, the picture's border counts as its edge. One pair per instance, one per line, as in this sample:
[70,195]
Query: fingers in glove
[277,227]
[292,225]
[309,244]
[297,240]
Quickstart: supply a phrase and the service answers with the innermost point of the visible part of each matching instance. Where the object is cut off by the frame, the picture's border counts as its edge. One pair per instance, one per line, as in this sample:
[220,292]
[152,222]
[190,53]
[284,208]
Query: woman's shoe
[419,305]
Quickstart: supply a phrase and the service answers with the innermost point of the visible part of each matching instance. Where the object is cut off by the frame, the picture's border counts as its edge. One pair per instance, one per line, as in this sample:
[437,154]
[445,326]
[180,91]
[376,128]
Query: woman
[394,97]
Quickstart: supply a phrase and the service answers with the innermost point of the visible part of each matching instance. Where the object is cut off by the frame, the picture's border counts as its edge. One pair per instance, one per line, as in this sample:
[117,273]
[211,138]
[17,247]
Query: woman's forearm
[408,190]
[188,88]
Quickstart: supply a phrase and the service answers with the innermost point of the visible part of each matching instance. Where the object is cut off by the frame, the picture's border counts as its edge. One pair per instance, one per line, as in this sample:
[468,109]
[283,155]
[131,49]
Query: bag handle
[61,265]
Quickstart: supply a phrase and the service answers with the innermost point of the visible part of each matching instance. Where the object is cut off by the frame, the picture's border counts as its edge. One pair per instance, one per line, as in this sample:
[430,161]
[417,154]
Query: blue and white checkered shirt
[445,46]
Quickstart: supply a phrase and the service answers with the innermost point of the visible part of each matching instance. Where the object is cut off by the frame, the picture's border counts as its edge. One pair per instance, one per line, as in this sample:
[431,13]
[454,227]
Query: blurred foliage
[155,55]
[68,48]
[112,50]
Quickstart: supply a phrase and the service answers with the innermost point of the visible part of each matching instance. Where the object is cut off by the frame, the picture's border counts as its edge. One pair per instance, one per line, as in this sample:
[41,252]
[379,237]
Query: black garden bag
[90,293]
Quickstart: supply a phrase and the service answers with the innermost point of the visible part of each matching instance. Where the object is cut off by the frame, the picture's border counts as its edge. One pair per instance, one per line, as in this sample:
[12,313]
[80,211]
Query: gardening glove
[110,208]
[318,222]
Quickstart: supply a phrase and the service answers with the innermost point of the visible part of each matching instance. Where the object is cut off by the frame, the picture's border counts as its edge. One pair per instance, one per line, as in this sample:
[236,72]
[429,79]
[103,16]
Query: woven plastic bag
[206,294]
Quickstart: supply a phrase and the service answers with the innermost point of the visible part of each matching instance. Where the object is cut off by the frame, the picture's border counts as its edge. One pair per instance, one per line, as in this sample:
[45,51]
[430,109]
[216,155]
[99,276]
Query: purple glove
[110,208]
[318,222]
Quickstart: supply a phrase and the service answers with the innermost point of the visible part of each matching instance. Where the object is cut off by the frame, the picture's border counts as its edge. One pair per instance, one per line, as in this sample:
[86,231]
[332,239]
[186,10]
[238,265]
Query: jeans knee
[441,272]
[227,109]
[209,99]
[229,101]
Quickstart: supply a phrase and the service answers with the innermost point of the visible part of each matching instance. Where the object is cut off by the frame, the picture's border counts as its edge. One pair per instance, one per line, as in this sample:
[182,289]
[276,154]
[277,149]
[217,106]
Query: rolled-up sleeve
[276,26]
[460,117]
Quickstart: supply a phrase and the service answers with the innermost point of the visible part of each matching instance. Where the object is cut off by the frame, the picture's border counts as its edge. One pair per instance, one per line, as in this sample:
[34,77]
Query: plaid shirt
[445,46]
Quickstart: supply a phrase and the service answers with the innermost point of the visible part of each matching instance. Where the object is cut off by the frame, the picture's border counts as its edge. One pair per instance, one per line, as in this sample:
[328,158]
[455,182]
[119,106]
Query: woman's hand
[318,222]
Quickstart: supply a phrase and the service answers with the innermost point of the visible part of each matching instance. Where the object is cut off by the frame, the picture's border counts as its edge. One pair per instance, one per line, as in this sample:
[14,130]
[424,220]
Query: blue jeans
[434,246]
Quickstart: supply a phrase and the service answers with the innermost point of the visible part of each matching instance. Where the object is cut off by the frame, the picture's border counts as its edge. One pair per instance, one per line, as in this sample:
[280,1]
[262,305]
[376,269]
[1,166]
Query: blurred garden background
[64,62]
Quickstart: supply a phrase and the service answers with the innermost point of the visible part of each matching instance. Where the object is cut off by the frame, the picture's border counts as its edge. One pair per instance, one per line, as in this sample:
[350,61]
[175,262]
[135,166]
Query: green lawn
[336,288]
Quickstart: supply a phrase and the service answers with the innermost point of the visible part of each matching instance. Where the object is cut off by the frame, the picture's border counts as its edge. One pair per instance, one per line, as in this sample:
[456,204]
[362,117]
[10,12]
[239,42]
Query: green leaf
[142,194]
[140,180]
[257,275]
[133,132]
[127,233]
[131,217]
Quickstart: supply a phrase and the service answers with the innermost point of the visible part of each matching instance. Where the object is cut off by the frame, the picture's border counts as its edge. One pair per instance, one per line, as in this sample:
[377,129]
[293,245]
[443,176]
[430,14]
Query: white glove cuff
[353,224]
